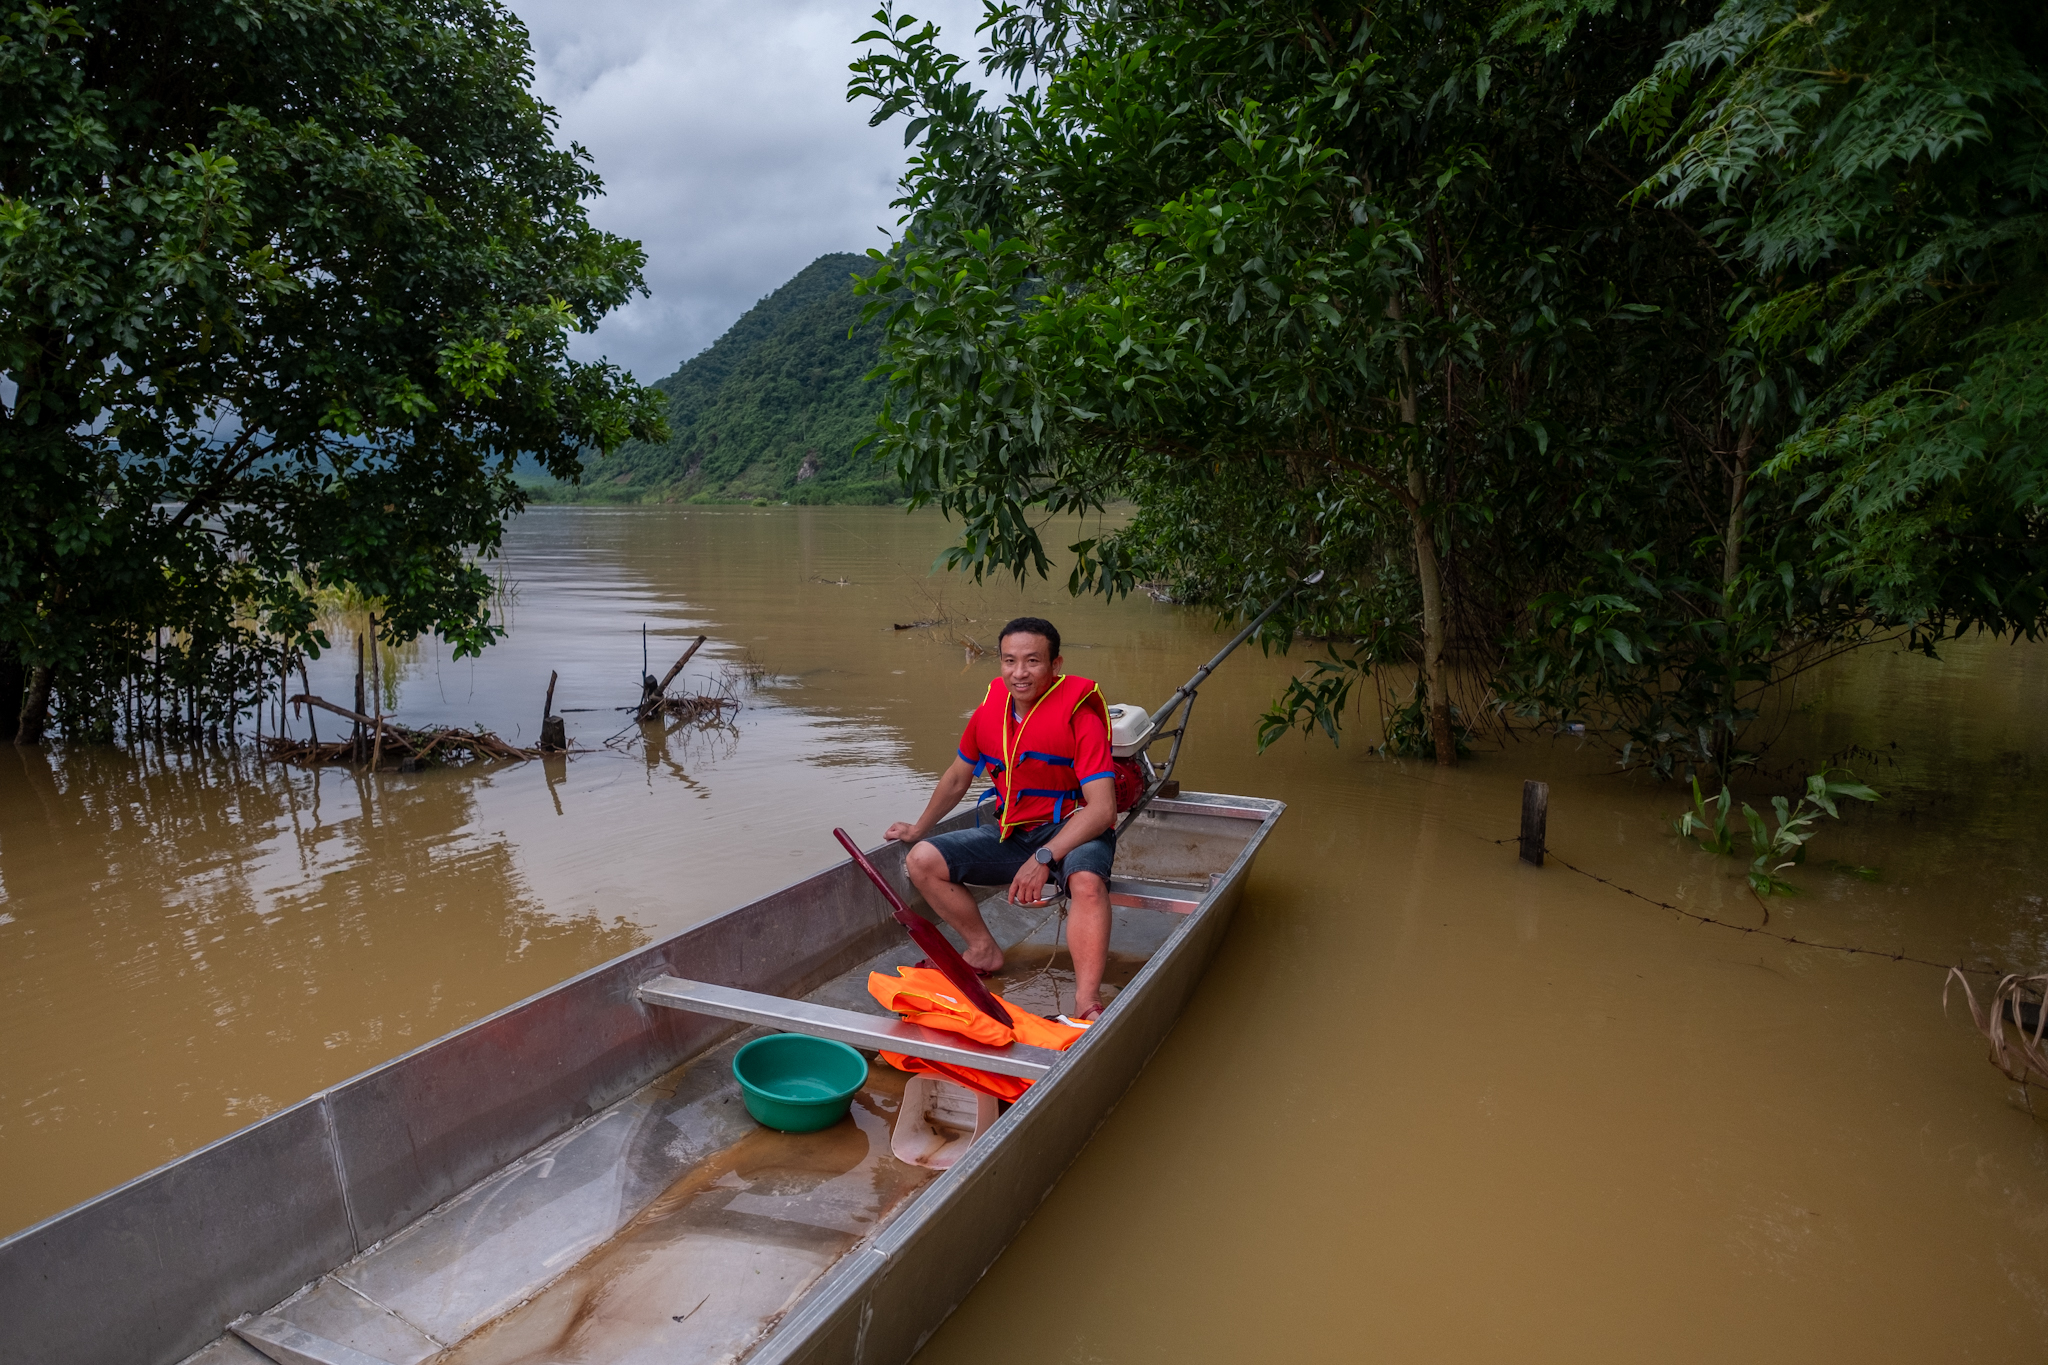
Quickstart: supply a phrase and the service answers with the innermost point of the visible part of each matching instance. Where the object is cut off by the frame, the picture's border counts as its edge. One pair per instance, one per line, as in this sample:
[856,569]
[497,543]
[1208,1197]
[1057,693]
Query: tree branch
[223,477]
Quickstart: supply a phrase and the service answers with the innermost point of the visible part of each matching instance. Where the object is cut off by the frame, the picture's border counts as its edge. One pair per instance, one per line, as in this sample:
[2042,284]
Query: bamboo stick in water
[377,686]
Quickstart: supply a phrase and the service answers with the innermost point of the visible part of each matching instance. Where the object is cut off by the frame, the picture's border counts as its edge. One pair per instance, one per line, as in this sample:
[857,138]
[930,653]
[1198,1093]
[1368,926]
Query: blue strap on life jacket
[992,794]
[1060,796]
[992,766]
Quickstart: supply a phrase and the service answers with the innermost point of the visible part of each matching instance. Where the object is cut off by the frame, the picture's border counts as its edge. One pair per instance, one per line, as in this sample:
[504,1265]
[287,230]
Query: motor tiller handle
[1187,689]
[926,935]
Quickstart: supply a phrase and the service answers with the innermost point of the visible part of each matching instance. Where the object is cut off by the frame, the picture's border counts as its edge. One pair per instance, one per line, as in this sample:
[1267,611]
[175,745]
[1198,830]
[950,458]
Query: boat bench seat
[872,1032]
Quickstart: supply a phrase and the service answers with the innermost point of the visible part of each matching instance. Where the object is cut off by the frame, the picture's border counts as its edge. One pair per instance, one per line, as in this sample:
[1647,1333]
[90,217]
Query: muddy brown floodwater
[1429,1104]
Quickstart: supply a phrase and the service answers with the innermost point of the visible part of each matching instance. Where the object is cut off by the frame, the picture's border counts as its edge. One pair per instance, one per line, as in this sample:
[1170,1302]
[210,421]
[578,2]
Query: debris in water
[2016,1000]
[654,695]
[700,709]
[412,748]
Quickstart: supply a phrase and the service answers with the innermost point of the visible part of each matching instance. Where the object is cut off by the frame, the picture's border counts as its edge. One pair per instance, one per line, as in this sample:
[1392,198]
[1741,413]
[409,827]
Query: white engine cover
[1130,730]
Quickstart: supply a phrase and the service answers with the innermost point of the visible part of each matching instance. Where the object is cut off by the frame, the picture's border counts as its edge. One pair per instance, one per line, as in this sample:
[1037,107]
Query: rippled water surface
[1429,1103]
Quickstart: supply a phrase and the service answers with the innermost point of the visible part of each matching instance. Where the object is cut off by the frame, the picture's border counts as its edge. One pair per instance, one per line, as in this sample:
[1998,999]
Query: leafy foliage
[1776,848]
[777,407]
[284,291]
[1494,312]
[1320,288]
[1880,169]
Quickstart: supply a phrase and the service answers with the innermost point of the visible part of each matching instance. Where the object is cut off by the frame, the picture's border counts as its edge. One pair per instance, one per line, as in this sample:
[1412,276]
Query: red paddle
[943,954]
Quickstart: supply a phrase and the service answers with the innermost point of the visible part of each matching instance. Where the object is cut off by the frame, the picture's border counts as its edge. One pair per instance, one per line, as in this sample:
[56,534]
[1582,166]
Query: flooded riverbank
[1429,1102]
[1434,1105]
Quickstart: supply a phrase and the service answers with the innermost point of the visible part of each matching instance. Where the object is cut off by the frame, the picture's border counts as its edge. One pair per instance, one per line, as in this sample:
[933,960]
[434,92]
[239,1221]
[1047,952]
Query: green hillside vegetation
[773,409]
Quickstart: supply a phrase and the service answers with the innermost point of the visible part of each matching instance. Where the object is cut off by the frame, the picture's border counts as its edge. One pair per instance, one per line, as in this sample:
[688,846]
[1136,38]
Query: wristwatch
[1044,857]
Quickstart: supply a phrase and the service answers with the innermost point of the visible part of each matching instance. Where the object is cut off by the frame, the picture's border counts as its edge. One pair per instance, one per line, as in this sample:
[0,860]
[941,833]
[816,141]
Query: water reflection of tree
[196,942]
[670,744]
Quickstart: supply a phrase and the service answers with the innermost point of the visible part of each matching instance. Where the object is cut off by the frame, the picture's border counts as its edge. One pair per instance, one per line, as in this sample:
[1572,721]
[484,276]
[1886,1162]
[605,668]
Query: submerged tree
[284,291]
[1880,172]
[1866,178]
[1318,286]
[1371,291]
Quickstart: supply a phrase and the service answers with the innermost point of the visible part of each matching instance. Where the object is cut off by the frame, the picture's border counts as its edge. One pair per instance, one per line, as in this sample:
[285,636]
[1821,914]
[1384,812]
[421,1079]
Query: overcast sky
[726,144]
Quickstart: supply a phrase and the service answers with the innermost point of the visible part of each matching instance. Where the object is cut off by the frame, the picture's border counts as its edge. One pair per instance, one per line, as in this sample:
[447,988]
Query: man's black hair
[1033,625]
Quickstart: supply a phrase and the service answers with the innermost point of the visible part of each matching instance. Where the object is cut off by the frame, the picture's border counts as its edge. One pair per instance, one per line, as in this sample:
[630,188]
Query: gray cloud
[727,148]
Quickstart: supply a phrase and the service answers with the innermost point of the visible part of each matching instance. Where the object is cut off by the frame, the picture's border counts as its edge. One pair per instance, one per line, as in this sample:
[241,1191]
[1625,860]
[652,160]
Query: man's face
[1029,666]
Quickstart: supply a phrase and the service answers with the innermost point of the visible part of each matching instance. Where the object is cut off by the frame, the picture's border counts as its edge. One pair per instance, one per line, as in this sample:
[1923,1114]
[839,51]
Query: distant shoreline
[545,492]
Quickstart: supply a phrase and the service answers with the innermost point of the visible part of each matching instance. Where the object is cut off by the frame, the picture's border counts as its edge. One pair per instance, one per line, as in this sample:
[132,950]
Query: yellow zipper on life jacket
[1009,765]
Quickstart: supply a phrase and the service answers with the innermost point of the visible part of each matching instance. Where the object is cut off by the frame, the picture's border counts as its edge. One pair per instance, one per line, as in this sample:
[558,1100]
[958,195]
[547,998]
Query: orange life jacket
[1037,757]
[924,996]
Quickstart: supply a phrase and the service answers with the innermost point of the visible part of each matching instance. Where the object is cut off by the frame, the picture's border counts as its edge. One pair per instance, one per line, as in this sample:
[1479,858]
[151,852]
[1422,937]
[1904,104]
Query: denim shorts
[979,857]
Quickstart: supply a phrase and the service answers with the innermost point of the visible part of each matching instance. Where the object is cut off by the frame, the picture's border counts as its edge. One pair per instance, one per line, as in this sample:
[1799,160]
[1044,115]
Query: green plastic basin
[797,1083]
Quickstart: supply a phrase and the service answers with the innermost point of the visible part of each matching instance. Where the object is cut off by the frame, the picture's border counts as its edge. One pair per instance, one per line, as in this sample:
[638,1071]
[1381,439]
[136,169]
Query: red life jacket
[1037,757]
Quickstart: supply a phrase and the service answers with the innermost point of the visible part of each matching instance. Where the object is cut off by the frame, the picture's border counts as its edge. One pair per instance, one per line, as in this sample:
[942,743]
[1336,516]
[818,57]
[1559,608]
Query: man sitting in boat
[1043,737]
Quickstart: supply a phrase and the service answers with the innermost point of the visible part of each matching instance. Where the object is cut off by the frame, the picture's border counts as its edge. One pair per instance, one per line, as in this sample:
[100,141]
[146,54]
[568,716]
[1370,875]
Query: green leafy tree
[1866,177]
[284,291]
[1318,286]
[1877,172]
[1375,291]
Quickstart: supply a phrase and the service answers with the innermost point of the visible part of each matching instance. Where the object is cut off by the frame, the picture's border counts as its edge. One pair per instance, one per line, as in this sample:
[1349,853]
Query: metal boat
[575,1177]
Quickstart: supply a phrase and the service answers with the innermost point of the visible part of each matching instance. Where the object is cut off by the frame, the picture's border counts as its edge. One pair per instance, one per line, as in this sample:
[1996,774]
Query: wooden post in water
[377,687]
[312,726]
[1535,820]
[355,736]
[554,732]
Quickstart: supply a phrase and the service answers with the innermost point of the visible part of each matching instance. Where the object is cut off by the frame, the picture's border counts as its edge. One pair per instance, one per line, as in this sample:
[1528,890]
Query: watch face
[1044,856]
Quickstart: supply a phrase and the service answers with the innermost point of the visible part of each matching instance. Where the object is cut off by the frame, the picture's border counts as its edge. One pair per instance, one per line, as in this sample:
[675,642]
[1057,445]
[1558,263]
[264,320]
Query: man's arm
[1095,818]
[953,784]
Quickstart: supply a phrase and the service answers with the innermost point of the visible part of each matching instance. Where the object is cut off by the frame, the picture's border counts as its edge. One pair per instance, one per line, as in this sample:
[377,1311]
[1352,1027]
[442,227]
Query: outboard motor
[1130,734]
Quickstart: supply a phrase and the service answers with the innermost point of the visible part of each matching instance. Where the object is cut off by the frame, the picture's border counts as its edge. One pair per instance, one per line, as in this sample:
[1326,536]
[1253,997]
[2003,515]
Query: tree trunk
[13,679]
[35,706]
[1731,546]
[1731,569]
[1429,575]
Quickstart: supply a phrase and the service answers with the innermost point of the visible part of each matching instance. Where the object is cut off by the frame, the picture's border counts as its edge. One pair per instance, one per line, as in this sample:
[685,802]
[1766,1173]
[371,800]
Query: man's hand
[1028,886]
[953,784]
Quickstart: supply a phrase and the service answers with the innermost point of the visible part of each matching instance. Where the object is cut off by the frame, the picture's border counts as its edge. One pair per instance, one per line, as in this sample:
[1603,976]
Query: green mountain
[773,409]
